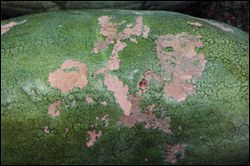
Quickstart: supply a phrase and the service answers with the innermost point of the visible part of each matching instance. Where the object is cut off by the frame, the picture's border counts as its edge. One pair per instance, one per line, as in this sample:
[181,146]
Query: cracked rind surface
[66,81]
[6,27]
[173,150]
[148,118]
[93,136]
[89,99]
[179,63]
[114,61]
[109,30]
[196,24]
[52,110]
[120,92]
[214,120]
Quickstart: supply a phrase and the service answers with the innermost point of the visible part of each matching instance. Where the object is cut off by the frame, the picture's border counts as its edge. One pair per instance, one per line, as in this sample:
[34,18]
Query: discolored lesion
[93,136]
[71,74]
[53,109]
[5,28]
[179,59]
[195,24]
[147,118]
[120,92]
[114,61]
[175,152]
[109,30]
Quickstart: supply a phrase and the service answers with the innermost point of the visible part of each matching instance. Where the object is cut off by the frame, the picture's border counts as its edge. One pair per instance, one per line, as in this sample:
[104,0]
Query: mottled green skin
[214,120]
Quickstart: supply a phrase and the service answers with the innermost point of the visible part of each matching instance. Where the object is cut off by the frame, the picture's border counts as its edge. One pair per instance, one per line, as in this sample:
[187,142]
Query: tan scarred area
[66,81]
[173,150]
[89,99]
[52,110]
[181,62]
[148,118]
[46,130]
[104,103]
[120,92]
[196,24]
[5,28]
[109,30]
[93,136]
[114,61]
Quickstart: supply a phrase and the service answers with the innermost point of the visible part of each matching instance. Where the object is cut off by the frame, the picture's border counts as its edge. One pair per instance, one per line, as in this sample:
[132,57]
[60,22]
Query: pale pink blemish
[5,28]
[133,40]
[52,110]
[93,136]
[199,36]
[118,47]
[113,64]
[89,100]
[104,103]
[151,108]
[114,61]
[180,63]
[46,129]
[145,32]
[120,92]
[100,45]
[66,81]
[173,150]
[138,29]
[197,24]
[148,118]
[108,28]
[148,75]
[178,90]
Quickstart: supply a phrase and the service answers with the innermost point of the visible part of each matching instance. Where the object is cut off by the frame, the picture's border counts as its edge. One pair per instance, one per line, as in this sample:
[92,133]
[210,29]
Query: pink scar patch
[71,74]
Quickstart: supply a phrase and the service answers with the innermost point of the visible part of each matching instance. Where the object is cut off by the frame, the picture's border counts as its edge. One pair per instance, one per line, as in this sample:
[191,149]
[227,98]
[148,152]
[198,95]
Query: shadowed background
[235,13]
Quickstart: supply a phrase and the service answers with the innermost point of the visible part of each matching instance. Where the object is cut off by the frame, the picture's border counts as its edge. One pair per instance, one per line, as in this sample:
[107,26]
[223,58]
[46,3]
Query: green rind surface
[214,120]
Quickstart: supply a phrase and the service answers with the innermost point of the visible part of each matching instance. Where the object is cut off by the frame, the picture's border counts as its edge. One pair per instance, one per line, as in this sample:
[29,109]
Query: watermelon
[123,87]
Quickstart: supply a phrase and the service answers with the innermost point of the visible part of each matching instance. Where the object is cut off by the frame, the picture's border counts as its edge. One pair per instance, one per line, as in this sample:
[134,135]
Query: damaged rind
[173,150]
[148,118]
[5,28]
[179,63]
[93,136]
[109,30]
[120,92]
[66,81]
[53,110]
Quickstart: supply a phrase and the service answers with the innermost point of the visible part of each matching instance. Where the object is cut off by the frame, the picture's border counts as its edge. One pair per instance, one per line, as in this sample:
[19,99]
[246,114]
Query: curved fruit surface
[123,87]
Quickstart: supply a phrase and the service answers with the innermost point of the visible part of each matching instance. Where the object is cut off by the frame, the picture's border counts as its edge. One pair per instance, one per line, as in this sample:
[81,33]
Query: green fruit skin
[214,119]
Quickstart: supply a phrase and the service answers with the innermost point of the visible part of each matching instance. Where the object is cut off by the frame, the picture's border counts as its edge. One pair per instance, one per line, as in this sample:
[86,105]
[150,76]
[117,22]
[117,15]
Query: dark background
[235,13]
